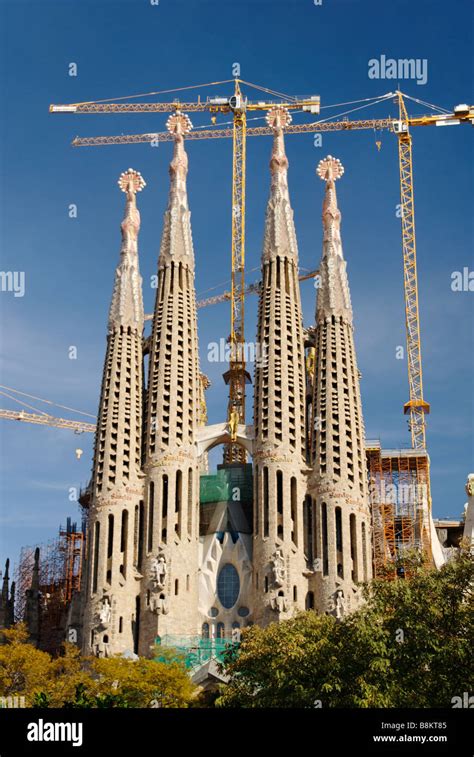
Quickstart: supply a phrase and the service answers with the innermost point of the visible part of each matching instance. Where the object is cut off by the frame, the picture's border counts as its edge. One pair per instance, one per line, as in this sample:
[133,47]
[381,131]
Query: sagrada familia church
[289,531]
[178,557]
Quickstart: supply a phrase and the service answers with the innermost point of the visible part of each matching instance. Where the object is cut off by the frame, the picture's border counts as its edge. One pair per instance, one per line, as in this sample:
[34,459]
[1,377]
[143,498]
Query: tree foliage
[410,645]
[74,681]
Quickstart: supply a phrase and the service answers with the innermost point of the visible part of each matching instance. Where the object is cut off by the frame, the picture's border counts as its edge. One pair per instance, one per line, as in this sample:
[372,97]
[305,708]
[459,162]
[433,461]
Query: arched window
[178,493]
[266,521]
[151,514]
[110,539]
[220,630]
[95,570]
[205,630]
[338,529]
[294,511]
[354,555]
[324,529]
[309,601]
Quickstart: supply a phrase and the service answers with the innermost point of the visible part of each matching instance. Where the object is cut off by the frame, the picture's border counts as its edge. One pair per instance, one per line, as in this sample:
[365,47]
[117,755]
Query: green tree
[408,646]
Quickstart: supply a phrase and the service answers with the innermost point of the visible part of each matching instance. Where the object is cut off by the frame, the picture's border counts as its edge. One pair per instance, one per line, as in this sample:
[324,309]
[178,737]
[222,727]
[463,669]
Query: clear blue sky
[122,48]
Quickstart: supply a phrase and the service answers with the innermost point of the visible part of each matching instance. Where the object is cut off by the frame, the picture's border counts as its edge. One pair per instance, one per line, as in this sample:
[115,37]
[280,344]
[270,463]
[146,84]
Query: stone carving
[279,603]
[278,568]
[105,611]
[159,604]
[470,485]
[100,647]
[337,604]
[159,570]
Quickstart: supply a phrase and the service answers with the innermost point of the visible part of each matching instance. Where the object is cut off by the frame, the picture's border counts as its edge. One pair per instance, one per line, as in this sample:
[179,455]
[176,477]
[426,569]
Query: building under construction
[46,578]
[399,498]
[303,509]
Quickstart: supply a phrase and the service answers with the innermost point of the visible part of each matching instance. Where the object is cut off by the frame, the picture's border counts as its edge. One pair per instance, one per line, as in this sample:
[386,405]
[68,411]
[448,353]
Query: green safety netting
[223,486]
[195,650]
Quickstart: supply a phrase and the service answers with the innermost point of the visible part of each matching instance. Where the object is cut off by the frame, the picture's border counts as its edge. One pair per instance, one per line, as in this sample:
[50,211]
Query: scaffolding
[60,573]
[195,650]
[399,498]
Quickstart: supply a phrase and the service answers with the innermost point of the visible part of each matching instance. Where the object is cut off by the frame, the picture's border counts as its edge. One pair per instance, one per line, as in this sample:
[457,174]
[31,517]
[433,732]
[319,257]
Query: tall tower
[116,504]
[32,605]
[169,557]
[279,407]
[338,483]
[7,601]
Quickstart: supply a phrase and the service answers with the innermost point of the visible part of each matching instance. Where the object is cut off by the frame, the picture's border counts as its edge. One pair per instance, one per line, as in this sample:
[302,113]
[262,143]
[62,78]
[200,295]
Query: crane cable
[48,402]
[25,404]
[148,94]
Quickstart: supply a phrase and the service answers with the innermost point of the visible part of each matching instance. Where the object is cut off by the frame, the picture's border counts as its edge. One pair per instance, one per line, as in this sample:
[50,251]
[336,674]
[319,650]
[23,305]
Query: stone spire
[333,294]
[116,502]
[280,236]
[126,308]
[32,606]
[118,455]
[172,421]
[338,482]
[176,241]
[6,579]
[279,406]
[6,602]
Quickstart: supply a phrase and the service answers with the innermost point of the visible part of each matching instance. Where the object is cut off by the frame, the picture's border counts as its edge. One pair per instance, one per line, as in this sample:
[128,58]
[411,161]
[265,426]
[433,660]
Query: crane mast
[416,407]
[237,376]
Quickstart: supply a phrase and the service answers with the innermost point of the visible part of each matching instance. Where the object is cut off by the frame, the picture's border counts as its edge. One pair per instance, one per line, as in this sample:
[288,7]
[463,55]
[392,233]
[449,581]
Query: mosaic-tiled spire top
[126,308]
[176,242]
[333,293]
[280,237]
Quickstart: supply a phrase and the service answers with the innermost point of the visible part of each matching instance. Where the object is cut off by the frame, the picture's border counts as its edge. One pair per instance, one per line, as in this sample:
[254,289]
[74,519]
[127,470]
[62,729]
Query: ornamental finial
[131,181]
[330,169]
[179,123]
[278,118]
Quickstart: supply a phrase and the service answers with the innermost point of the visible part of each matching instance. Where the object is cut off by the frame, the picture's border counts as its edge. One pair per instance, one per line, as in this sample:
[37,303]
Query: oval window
[228,586]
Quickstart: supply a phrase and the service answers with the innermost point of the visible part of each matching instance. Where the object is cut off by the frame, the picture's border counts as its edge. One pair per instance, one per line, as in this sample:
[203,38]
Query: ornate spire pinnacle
[278,119]
[280,237]
[5,581]
[330,170]
[179,124]
[176,243]
[333,294]
[35,575]
[126,308]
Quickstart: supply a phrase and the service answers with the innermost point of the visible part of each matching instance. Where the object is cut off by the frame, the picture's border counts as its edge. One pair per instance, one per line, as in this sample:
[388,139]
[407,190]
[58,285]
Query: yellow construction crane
[416,407]
[48,420]
[39,416]
[238,105]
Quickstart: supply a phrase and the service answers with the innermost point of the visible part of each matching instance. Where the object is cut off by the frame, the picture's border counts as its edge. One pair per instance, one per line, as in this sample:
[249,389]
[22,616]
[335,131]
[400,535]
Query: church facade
[172,552]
